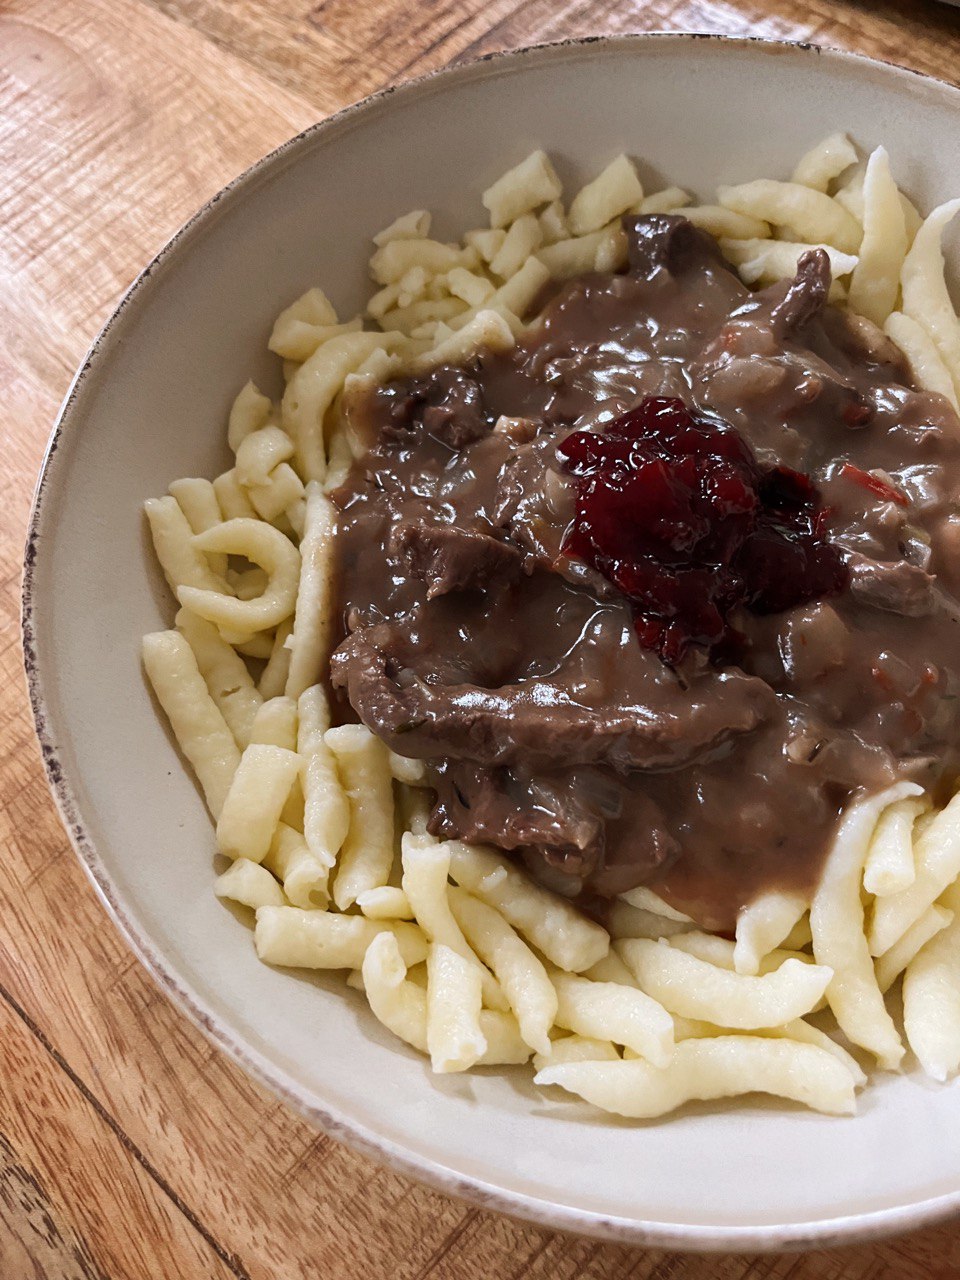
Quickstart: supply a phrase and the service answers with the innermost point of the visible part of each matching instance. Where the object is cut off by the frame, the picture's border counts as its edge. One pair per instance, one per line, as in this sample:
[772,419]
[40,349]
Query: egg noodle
[459,953]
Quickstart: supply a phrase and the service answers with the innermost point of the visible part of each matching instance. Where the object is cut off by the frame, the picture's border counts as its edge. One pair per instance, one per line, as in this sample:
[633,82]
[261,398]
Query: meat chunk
[896,586]
[446,403]
[533,721]
[806,296]
[638,846]
[479,804]
[534,501]
[453,559]
[667,242]
[556,821]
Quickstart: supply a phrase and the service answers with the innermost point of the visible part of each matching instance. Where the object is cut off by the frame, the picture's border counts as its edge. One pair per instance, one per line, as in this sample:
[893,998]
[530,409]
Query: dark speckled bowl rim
[819,1233]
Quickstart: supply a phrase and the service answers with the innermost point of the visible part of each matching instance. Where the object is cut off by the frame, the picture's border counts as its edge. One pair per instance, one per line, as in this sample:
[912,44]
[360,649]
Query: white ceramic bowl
[149,405]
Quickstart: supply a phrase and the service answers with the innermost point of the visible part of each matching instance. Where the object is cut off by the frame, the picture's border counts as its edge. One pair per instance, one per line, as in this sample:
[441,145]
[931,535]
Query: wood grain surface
[129,1149]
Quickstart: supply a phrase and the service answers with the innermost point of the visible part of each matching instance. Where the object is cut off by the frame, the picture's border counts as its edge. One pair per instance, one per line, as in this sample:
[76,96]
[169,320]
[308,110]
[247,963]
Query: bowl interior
[151,406]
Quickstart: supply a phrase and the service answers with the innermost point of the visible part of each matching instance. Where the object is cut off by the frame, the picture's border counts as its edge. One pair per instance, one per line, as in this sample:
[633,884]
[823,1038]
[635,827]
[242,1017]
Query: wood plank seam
[230,1260]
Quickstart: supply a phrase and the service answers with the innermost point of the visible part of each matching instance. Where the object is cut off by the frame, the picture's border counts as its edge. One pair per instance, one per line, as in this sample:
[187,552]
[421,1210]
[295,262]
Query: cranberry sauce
[674,510]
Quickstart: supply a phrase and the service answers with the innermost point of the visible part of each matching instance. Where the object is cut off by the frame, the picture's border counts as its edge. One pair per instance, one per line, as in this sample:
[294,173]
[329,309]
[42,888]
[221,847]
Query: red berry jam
[673,509]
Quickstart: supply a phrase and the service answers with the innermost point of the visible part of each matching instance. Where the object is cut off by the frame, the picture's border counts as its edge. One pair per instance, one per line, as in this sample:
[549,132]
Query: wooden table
[128,1147]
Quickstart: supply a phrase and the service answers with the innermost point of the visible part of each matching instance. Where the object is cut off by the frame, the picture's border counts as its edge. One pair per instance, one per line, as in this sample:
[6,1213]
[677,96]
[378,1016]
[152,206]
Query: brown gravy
[469,639]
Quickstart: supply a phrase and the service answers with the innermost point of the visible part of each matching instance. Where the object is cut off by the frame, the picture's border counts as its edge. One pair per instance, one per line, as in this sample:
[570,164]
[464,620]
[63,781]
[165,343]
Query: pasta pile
[459,954]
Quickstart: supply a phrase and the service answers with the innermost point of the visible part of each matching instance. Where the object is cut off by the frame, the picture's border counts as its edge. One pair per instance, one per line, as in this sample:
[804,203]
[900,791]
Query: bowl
[149,404]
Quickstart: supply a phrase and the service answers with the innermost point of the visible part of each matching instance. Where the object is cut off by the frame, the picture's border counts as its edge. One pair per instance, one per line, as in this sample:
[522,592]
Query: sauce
[487,631]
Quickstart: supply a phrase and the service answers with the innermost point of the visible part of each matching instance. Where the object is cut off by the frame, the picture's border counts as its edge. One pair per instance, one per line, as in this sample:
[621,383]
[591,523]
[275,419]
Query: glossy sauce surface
[473,639]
